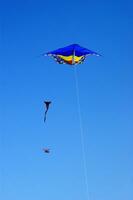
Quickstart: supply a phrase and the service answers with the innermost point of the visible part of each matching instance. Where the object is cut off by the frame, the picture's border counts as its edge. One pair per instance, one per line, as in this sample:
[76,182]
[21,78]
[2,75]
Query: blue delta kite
[73,54]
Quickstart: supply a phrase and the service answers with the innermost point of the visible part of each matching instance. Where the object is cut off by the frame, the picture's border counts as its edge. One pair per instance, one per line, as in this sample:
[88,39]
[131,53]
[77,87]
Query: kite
[46,150]
[73,54]
[47,103]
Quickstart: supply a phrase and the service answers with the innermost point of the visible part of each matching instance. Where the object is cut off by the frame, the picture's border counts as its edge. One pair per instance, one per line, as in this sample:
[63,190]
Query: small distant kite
[46,103]
[73,54]
[46,150]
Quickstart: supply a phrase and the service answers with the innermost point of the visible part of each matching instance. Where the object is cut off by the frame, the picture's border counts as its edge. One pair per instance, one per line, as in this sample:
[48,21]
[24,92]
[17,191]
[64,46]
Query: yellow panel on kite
[71,59]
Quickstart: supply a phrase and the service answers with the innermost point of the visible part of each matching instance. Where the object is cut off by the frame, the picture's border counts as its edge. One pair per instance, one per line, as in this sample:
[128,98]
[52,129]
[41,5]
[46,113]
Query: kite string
[81,132]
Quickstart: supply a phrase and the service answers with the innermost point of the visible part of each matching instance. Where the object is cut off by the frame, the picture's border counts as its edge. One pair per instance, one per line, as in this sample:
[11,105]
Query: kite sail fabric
[72,54]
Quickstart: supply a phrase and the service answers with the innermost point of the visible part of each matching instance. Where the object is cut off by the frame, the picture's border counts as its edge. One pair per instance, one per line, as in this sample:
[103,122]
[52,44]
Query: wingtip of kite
[97,54]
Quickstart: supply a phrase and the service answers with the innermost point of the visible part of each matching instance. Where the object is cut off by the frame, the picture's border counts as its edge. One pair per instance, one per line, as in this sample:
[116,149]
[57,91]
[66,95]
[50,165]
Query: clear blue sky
[29,28]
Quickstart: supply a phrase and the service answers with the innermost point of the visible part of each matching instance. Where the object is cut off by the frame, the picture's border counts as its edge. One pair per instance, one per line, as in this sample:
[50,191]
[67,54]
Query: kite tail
[45,116]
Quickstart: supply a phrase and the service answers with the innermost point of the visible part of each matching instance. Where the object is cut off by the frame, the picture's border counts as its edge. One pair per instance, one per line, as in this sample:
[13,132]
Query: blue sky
[29,28]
